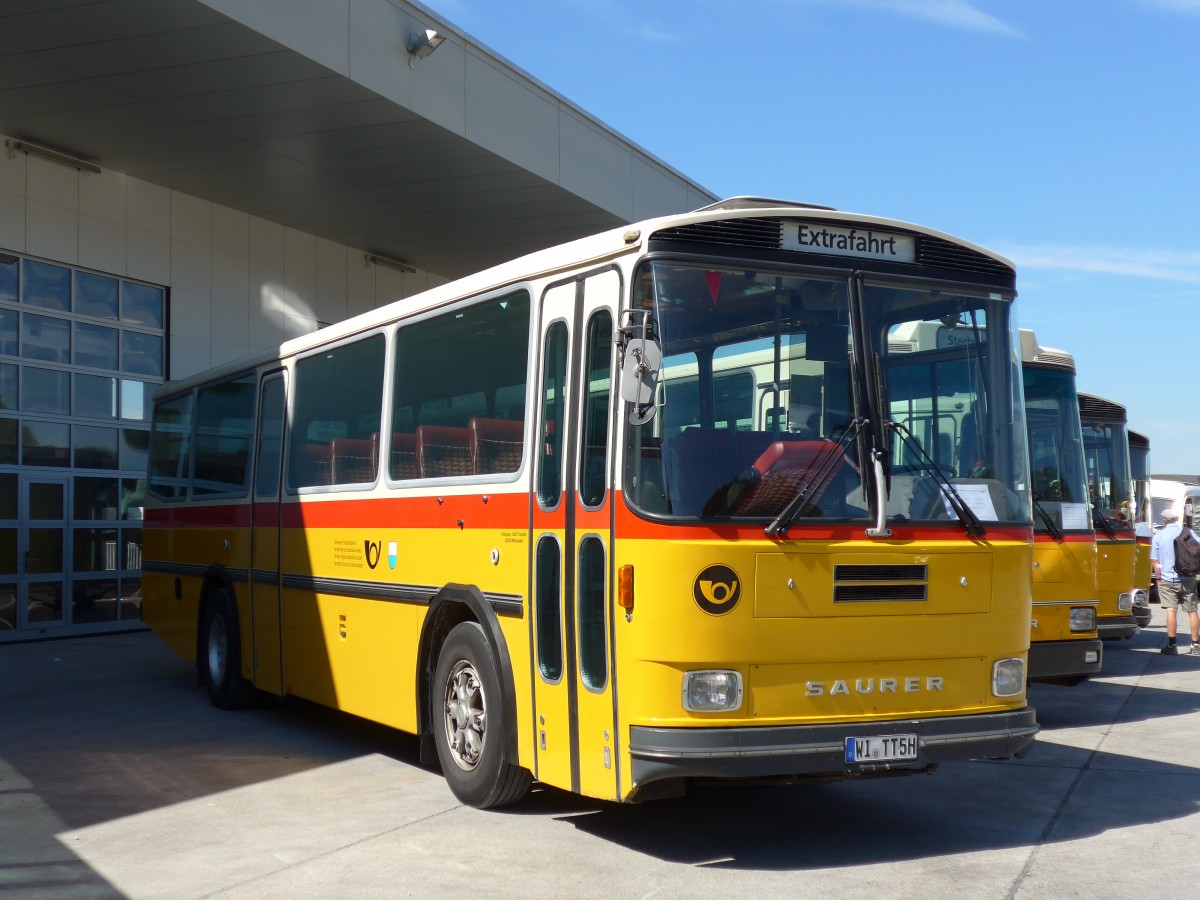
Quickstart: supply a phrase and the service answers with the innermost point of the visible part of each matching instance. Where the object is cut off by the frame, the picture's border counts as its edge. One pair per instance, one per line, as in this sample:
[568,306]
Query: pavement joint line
[1034,851]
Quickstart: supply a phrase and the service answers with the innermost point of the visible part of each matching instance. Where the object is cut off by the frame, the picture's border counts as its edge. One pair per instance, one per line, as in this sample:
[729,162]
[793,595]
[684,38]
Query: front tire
[221,657]
[469,724]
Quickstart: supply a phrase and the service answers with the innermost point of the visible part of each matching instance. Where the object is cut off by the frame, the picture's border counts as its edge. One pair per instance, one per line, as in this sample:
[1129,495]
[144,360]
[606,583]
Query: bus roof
[1034,354]
[593,250]
[1096,408]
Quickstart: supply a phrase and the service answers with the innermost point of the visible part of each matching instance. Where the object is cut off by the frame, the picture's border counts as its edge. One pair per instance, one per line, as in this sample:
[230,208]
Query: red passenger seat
[354,460]
[443,451]
[404,456]
[496,445]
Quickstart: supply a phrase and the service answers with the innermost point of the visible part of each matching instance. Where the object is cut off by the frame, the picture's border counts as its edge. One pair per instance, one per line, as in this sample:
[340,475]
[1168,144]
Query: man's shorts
[1178,594]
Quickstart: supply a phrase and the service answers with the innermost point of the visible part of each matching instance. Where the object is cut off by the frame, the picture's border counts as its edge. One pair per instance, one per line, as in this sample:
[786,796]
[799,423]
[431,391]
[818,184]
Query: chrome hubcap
[466,715]
[217,650]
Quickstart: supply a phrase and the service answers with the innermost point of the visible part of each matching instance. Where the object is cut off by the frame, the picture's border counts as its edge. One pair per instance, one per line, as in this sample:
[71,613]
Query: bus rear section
[1106,449]
[1064,645]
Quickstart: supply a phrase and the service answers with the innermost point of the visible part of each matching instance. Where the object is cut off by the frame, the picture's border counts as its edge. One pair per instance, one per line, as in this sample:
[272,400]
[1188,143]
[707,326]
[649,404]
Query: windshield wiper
[966,515]
[821,470]
[1051,525]
[1104,522]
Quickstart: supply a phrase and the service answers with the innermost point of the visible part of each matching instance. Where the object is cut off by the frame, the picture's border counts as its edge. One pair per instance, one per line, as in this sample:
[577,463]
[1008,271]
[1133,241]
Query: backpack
[1187,553]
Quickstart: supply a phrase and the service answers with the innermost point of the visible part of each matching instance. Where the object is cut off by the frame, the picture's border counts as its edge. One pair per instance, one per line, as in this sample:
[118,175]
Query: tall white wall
[238,282]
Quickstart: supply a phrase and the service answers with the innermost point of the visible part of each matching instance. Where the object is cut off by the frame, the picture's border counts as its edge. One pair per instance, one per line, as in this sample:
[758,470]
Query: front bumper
[1063,659]
[819,750]
[1113,628]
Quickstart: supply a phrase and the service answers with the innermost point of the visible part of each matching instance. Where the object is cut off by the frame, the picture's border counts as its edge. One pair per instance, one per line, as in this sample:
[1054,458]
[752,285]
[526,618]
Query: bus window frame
[248,475]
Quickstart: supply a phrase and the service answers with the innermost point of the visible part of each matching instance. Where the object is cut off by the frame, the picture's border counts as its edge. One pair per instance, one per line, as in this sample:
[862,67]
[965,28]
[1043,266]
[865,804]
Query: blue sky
[1062,133]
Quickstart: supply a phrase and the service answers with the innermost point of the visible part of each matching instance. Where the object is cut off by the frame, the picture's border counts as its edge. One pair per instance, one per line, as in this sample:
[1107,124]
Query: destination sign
[809,237]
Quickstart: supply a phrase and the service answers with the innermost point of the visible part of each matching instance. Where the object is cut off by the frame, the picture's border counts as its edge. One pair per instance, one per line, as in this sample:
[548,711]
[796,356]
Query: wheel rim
[218,652]
[466,715]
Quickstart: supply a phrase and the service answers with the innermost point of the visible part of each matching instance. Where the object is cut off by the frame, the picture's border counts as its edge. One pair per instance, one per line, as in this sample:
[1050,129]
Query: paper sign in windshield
[1075,517]
[978,498]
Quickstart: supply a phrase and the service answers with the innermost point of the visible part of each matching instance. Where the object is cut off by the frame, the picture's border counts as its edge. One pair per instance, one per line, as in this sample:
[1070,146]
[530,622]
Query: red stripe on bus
[1087,538]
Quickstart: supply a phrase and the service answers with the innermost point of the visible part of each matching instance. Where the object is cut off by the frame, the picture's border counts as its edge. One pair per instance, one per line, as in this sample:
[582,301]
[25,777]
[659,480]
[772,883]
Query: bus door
[265,615]
[572,620]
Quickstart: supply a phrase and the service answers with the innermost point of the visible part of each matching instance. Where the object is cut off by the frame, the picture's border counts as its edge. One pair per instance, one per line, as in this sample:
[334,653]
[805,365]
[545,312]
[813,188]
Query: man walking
[1175,591]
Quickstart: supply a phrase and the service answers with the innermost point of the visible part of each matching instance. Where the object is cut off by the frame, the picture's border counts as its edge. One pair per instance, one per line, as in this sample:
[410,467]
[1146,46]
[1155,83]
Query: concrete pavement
[117,779]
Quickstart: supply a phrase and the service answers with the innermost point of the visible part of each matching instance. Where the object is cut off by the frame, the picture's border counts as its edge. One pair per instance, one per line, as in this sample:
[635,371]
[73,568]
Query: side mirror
[639,378]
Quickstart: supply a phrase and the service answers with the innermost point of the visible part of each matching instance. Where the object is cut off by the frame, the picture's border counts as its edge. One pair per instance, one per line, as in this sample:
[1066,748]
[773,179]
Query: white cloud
[957,14]
[1162,265]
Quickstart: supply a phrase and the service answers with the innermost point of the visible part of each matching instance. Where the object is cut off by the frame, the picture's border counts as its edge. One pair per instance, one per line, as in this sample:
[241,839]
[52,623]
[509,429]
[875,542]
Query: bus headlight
[1083,618]
[1008,677]
[1141,597]
[712,691]
[1125,602]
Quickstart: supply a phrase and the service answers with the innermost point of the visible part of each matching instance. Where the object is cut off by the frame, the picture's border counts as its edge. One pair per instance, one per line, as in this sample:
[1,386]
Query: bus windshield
[764,405]
[1109,479]
[1055,450]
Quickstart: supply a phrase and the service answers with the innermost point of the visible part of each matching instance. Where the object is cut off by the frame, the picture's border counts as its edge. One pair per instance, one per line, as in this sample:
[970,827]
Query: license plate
[881,748]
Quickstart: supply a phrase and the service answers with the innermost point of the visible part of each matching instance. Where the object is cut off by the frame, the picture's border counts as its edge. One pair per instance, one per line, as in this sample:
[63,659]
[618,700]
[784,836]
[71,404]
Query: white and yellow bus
[1064,642]
[1110,485]
[626,514]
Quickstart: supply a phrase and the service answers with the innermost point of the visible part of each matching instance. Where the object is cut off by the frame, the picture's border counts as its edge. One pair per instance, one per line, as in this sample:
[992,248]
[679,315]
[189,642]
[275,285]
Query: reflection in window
[45,602]
[95,448]
[95,295]
[141,304]
[9,281]
[8,332]
[8,602]
[45,444]
[94,601]
[141,354]
[595,424]
[8,386]
[548,609]
[8,441]
[133,400]
[224,430]
[96,396]
[170,448]
[45,338]
[593,662]
[135,449]
[554,410]
[45,390]
[46,286]
[95,346]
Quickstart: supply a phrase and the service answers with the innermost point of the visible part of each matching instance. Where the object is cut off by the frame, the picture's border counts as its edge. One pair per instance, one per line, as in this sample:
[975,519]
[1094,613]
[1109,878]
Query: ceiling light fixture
[390,263]
[52,155]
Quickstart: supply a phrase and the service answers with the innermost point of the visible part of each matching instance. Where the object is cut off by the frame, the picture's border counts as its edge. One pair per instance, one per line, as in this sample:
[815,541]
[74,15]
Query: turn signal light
[625,588]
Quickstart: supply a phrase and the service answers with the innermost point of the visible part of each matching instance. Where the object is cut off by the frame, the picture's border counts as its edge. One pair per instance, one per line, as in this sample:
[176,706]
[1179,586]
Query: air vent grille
[880,573]
[877,593]
[759,233]
[933,251]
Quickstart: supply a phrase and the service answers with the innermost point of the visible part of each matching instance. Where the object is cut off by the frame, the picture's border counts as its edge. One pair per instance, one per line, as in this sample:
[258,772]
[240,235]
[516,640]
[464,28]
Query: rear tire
[221,656]
[469,726]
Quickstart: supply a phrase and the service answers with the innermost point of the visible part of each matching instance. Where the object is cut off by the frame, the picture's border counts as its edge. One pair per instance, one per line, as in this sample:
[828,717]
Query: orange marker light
[625,588]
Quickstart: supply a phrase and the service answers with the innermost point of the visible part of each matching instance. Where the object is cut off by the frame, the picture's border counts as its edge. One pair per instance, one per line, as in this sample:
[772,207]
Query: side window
[549,609]
[270,441]
[598,385]
[339,401]
[224,433]
[170,448]
[554,417]
[458,404]
[593,662]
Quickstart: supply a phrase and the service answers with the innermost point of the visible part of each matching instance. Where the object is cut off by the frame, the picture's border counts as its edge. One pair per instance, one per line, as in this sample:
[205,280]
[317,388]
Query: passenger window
[170,448]
[224,431]
[339,402]
[459,382]
[593,662]
[548,609]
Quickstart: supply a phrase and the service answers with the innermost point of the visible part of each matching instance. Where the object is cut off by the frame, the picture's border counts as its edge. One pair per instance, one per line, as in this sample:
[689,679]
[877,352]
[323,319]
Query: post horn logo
[717,590]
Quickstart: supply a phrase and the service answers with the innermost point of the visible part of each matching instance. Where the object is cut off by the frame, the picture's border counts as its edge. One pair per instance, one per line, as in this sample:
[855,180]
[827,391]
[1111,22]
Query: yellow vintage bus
[1143,525]
[1064,642]
[624,514]
[1110,485]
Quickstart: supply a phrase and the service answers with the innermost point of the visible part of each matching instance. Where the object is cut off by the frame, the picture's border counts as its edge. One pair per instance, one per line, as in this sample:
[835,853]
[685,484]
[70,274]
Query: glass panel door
[41,579]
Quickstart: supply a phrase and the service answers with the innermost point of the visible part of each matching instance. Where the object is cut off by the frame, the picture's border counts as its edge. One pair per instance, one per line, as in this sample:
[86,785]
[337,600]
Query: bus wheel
[468,722]
[220,661]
